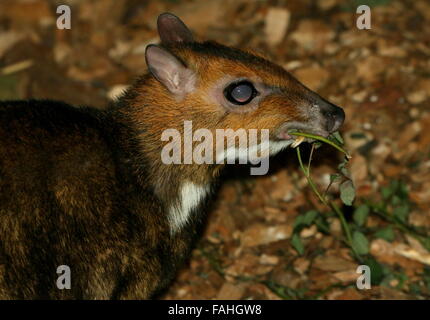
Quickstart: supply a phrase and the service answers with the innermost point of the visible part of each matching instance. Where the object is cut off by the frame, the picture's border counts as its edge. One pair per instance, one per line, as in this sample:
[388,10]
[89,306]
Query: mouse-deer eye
[240,93]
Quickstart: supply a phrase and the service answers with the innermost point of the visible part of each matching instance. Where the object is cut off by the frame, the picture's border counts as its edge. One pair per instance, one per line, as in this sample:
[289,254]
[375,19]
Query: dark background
[381,77]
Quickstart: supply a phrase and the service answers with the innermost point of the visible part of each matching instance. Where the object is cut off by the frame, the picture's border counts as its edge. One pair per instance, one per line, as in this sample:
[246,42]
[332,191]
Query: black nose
[334,117]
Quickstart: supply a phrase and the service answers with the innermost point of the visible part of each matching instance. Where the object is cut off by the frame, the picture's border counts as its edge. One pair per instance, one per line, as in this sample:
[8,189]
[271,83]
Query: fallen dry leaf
[276,24]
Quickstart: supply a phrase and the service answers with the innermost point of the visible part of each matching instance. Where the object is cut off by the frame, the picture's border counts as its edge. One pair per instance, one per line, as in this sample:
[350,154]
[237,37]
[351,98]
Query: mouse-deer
[88,189]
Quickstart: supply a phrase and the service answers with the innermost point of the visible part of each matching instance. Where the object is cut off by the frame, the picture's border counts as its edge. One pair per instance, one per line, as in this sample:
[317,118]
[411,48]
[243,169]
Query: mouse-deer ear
[169,70]
[172,30]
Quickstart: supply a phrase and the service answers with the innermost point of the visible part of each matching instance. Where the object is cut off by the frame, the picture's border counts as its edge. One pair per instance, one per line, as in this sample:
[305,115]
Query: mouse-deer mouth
[283,133]
[295,140]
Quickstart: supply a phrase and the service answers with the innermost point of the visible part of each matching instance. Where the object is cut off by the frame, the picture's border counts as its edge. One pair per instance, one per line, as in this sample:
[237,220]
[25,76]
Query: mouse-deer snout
[333,116]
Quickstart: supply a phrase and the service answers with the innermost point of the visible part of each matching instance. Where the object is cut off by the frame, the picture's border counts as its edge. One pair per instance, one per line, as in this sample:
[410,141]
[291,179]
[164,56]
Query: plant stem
[320,138]
[346,229]
[310,158]
[329,204]
[310,181]
[399,225]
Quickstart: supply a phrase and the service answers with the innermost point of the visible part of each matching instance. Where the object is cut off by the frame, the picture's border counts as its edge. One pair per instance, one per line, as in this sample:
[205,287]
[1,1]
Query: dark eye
[240,92]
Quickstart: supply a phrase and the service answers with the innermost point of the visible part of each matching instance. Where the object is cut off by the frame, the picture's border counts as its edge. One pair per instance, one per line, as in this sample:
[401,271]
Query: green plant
[356,241]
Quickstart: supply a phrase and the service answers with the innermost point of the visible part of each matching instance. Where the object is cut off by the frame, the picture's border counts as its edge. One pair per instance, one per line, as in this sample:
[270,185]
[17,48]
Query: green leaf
[426,243]
[395,200]
[394,184]
[334,177]
[386,192]
[402,277]
[322,224]
[415,289]
[347,192]
[297,244]
[385,233]
[401,212]
[360,214]
[376,271]
[337,137]
[309,217]
[343,169]
[403,191]
[298,222]
[304,220]
[360,243]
